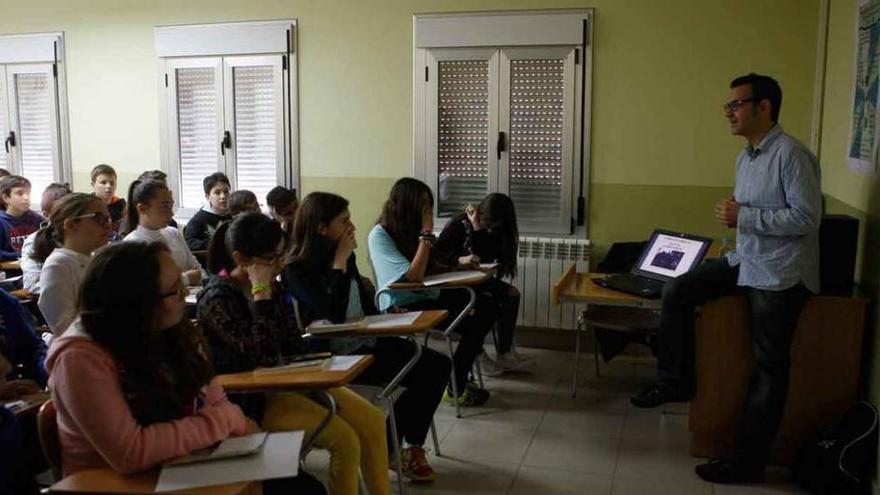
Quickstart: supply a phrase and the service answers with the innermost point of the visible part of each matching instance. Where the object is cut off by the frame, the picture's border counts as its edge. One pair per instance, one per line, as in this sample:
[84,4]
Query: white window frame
[31,53]
[509,33]
[224,46]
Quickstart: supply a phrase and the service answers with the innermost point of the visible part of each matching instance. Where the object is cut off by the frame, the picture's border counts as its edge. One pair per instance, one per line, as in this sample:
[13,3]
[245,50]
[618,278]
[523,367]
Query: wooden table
[11,265]
[427,320]
[575,287]
[108,481]
[32,403]
[295,379]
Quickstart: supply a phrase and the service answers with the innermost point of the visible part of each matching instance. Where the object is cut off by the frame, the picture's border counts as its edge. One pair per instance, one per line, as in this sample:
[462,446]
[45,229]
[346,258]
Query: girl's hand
[470,261]
[427,219]
[473,216]
[260,273]
[346,245]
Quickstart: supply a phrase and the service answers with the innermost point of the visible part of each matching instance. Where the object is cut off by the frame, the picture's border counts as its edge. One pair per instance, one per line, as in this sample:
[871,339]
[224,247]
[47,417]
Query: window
[33,123]
[499,101]
[229,102]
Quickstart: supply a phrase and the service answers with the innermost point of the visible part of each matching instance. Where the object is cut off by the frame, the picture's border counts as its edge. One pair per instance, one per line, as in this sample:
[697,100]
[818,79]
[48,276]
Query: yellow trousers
[355,437]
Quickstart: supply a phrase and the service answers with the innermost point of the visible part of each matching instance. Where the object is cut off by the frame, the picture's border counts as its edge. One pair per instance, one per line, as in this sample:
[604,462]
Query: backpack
[841,459]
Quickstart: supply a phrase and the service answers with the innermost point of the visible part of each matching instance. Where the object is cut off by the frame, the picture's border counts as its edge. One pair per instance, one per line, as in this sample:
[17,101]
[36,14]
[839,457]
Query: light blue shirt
[353,311]
[391,266]
[778,185]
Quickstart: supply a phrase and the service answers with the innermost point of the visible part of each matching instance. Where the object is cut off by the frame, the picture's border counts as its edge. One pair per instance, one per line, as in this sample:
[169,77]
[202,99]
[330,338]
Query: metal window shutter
[463,133]
[536,139]
[5,158]
[197,127]
[38,138]
[256,132]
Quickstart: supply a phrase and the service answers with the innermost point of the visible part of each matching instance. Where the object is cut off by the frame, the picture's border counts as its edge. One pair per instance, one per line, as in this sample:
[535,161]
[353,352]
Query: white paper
[442,278]
[391,320]
[343,363]
[488,266]
[279,458]
[193,294]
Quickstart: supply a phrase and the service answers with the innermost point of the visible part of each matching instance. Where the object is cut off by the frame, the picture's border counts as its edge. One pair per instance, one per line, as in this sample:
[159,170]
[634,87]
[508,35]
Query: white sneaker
[521,357]
[489,367]
[509,362]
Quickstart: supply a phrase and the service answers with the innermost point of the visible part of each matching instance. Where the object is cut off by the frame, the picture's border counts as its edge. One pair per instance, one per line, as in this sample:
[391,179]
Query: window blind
[5,159]
[463,133]
[536,139]
[38,137]
[198,133]
[256,130]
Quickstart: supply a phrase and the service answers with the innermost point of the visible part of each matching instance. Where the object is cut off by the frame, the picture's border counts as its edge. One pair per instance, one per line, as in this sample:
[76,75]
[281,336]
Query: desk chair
[635,323]
[47,429]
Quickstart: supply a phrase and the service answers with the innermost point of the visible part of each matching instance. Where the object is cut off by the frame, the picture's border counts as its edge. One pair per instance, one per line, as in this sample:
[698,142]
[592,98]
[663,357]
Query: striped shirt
[777,234]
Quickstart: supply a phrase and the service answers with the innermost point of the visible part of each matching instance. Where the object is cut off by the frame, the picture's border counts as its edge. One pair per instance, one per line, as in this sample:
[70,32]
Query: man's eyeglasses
[98,217]
[733,105]
[179,290]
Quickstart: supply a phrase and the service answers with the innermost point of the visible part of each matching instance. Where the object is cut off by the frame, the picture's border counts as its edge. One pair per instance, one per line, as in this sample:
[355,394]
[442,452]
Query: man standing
[775,209]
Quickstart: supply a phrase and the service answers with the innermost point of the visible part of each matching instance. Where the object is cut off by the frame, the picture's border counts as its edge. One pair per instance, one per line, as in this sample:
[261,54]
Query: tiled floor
[533,438]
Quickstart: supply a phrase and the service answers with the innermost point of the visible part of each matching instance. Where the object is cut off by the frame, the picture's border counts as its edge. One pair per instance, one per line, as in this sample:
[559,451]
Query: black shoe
[657,395]
[729,472]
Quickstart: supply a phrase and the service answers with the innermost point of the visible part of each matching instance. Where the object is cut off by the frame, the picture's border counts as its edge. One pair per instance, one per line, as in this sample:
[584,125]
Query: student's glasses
[733,105]
[98,217]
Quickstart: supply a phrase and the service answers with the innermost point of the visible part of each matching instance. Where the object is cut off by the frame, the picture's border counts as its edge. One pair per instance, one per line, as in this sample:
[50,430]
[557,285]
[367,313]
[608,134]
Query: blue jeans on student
[773,316]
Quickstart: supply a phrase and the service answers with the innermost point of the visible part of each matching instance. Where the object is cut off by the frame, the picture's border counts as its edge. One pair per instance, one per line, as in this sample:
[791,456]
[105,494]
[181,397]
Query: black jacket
[322,292]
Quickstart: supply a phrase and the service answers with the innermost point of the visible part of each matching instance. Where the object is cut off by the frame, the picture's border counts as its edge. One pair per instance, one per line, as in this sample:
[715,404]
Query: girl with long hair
[247,322]
[150,208]
[78,225]
[323,277]
[488,233]
[400,248]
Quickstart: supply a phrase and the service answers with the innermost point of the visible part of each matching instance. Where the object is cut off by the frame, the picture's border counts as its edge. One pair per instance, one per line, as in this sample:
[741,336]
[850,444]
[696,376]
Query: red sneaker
[415,465]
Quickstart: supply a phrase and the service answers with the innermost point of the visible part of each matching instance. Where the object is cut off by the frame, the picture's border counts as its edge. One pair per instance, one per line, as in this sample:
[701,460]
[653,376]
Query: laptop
[666,256]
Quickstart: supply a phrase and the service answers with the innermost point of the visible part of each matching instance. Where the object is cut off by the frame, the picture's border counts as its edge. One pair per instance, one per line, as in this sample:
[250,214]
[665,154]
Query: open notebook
[372,322]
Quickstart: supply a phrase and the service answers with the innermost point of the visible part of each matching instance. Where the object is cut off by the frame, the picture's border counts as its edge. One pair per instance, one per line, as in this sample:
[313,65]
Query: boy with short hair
[104,186]
[18,221]
[282,205]
[201,226]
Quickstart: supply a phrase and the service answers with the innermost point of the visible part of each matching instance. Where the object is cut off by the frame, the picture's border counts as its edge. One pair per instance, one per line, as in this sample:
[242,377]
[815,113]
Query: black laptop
[666,256]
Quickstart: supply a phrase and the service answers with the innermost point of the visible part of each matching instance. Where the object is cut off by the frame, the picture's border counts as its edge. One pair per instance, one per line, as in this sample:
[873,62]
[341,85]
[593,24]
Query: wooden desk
[23,295]
[108,481]
[576,287]
[248,381]
[33,403]
[10,265]
[426,321]
[468,282]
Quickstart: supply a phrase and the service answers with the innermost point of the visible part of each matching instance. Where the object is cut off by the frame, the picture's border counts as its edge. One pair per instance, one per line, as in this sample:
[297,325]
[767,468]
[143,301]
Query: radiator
[541,261]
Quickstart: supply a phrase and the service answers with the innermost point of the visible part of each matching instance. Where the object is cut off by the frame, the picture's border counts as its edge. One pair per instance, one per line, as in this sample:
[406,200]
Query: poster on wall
[863,135]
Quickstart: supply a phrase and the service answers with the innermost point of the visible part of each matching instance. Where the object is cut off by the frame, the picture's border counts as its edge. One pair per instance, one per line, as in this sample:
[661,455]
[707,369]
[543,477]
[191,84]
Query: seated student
[31,268]
[21,345]
[79,224]
[324,279]
[150,207]
[130,378]
[104,186]
[148,175]
[243,201]
[247,324]
[282,204]
[489,234]
[201,226]
[17,221]
[400,248]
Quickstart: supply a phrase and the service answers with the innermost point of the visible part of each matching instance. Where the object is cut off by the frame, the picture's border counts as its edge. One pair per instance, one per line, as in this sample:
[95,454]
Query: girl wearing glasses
[79,224]
[150,208]
[130,379]
[248,325]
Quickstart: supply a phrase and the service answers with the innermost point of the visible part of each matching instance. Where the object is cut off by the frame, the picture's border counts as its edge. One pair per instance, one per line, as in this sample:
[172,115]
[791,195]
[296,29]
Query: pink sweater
[95,425]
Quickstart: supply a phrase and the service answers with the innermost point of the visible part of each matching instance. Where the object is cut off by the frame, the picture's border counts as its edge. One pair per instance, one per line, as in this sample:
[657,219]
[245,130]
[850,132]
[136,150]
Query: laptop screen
[669,254]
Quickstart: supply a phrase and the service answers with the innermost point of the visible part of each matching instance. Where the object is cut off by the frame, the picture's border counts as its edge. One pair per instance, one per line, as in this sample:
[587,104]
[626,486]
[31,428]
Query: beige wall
[660,75]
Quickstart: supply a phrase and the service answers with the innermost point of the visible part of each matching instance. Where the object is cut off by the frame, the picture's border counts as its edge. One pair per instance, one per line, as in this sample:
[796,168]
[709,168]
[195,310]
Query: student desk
[463,284]
[575,287]
[297,380]
[108,481]
[32,403]
[11,265]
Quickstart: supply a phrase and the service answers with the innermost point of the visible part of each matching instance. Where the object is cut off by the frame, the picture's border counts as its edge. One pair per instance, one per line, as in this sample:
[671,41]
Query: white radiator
[541,261]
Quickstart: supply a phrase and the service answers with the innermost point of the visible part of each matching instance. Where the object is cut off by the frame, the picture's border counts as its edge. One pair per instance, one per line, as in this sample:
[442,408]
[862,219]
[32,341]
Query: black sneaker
[657,395]
[729,472]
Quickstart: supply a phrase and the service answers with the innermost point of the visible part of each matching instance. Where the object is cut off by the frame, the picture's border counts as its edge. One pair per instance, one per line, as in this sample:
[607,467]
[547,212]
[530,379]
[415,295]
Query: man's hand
[727,211]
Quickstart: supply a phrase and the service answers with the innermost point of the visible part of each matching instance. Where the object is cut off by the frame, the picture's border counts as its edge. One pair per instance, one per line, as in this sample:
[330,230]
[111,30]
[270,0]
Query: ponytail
[131,209]
[45,242]
[219,258]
